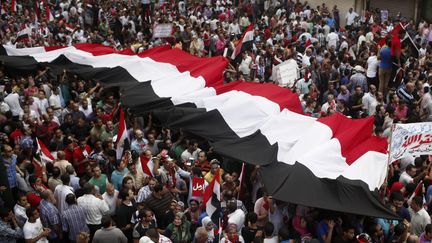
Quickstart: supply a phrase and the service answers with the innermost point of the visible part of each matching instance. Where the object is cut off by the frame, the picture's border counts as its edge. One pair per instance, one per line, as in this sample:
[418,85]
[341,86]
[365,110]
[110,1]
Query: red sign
[197,187]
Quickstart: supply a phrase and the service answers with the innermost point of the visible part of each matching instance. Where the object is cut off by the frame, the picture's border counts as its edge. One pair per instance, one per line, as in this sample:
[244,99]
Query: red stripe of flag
[121,135]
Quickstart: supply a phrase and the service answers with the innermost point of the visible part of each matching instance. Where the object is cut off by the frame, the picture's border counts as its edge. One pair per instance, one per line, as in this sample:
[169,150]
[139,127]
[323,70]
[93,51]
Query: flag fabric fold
[261,124]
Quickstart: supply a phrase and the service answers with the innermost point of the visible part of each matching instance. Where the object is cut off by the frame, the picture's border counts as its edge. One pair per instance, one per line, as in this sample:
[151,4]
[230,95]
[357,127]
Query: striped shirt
[74,221]
[403,94]
[7,234]
[159,206]
[49,216]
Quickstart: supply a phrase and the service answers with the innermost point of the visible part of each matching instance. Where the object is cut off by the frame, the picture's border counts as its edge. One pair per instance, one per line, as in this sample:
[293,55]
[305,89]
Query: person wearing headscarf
[208,224]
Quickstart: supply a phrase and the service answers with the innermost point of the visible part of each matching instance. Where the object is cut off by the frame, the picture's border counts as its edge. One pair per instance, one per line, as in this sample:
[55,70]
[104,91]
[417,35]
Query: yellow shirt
[209,176]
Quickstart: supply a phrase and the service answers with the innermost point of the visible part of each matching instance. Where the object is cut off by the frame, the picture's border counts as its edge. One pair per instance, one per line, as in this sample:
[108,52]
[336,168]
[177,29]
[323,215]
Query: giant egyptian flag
[333,163]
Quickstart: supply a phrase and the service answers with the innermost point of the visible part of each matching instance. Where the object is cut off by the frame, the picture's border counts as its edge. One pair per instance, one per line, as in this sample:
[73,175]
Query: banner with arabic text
[411,139]
[198,187]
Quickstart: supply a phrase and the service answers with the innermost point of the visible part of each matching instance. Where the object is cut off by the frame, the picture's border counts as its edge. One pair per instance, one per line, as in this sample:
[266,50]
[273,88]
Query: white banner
[162,30]
[286,73]
[411,140]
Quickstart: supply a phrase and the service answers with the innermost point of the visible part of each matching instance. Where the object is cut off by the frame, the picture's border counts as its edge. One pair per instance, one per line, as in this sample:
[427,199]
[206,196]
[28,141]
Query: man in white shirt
[350,17]
[372,64]
[426,104]
[13,101]
[369,100]
[20,210]
[191,152]
[245,65]
[55,102]
[33,228]
[94,207]
[332,39]
[61,191]
[419,216]
[407,176]
[234,28]
[42,102]
[236,216]
[110,197]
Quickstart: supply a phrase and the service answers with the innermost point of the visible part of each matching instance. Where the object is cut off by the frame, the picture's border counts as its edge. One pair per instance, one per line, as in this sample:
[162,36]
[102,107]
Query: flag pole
[241,180]
[389,156]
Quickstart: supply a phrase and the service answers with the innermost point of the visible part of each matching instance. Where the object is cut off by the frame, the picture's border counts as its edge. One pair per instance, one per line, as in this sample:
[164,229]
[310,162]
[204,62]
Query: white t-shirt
[372,63]
[350,17]
[332,39]
[405,179]
[60,193]
[237,218]
[33,230]
[245,65]
[13,101]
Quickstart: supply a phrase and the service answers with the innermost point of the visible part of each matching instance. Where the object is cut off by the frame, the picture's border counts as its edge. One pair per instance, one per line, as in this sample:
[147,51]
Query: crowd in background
[359,65]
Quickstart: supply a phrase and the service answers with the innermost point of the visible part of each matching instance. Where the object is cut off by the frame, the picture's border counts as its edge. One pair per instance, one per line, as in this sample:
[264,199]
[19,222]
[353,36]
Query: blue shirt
[322,230]
[11,170]
[49,216]
[74,221]
[386,61]
[117,178]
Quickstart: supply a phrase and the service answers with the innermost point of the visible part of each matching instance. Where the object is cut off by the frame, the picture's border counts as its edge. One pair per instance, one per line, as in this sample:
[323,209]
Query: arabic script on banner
[411,139]
[162,30]
[197,187]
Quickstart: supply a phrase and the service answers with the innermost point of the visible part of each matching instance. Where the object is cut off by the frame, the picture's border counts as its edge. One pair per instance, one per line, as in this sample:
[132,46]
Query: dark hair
[418,200]
[111,153]
[106,221]
[158,187]
[123,193]
[65,178]
[428,228]
[268,229]
[88,188]
[284,233]
[372,228]
[409,167]
[252,217]
[70,199]
[56,172]
[30,211]
[4,212]
[396,196]
[32,179]
[347,226]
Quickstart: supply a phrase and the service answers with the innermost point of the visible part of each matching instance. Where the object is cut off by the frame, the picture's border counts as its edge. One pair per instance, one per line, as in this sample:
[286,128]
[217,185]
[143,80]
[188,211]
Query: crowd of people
[359,65]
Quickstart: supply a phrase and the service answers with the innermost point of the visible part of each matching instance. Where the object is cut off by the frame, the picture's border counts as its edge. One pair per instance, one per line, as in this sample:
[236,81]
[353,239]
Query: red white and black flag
[45,154]
[245,42]
[212,199]
[121,135]
[245,121]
